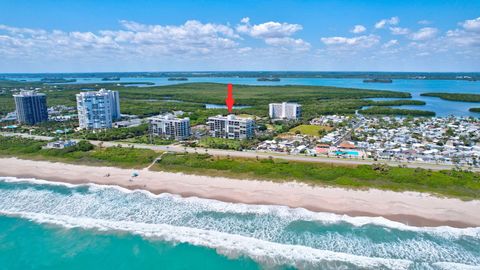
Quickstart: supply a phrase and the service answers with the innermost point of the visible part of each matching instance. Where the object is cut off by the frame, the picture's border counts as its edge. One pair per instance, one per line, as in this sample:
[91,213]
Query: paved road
[256,154]
[24,135]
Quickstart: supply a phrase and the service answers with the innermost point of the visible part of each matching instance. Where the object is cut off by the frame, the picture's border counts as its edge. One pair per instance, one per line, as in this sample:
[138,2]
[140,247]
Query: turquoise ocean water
[45,225]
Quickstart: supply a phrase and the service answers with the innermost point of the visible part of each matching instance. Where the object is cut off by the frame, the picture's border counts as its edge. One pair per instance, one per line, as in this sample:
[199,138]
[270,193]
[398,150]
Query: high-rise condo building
[285,110]
[231,127]
[170,127]
[31,107]
[97,110]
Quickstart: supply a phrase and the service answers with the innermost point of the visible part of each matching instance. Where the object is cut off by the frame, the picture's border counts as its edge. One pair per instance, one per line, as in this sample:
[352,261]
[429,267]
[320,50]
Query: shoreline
[411,208]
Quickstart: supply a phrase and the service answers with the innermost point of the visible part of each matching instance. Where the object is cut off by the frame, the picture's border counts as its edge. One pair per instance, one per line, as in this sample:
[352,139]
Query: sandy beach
[411,208]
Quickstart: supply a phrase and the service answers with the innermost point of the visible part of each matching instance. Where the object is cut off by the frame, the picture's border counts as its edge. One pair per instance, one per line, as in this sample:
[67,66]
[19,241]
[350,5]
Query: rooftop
[28,93]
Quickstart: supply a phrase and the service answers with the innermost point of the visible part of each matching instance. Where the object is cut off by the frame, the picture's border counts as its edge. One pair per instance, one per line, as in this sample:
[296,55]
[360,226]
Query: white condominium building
[285,110]
[170,127]
[97,110]
[231,127]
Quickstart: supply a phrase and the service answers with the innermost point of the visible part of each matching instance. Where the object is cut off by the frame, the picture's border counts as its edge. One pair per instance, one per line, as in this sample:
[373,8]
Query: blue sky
[87,36]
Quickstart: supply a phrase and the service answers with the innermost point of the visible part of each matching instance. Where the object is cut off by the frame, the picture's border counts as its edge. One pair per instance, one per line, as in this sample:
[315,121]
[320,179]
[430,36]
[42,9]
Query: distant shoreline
[412,208]
[466,76]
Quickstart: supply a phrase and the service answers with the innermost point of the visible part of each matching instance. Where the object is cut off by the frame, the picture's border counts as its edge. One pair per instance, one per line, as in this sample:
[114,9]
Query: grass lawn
[311,130]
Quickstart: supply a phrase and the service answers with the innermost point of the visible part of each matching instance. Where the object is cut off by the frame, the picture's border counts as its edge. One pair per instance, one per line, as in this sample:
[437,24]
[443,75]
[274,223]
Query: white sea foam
[280,211]
[264,252]
[455,266]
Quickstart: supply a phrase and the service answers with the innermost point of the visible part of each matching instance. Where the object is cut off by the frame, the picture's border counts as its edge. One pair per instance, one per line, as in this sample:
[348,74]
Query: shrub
[84,146]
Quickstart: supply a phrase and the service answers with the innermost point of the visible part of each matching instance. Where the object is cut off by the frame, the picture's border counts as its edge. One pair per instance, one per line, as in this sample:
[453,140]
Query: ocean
[414,87]
[47,225]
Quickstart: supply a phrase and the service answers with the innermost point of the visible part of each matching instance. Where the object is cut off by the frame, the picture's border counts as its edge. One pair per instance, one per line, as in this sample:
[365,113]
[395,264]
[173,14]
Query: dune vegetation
[452,183]
[82,153]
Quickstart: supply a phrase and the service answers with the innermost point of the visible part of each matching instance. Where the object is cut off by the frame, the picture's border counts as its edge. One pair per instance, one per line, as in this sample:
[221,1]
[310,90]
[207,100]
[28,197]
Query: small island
[475,110]
[465,78]
[377,80]
[111,79]
[178,79]
[268,79]
[57,80]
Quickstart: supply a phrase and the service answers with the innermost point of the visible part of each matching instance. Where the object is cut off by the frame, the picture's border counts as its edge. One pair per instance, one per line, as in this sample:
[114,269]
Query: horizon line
[239,71]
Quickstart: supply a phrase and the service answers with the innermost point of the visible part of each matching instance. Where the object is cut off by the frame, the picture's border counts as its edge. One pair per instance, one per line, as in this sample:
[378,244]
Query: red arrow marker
[229,100]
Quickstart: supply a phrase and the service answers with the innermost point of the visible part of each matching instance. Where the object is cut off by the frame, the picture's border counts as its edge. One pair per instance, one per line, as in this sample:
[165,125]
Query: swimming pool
[346,153]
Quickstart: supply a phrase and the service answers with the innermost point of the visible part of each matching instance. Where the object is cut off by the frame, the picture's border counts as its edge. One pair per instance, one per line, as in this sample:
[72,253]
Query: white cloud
[399,31]
[245,20]
[17,30]
[274,34]
[134,42]
[199,45]
[463,41]
[192,37]
[423,54]
[463,38]
[287,42]
[382,23]
[366,41]
[425,33]
[244,50]
[472,25]
[390,43]
[190,28]
[357,29]
[268,29]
